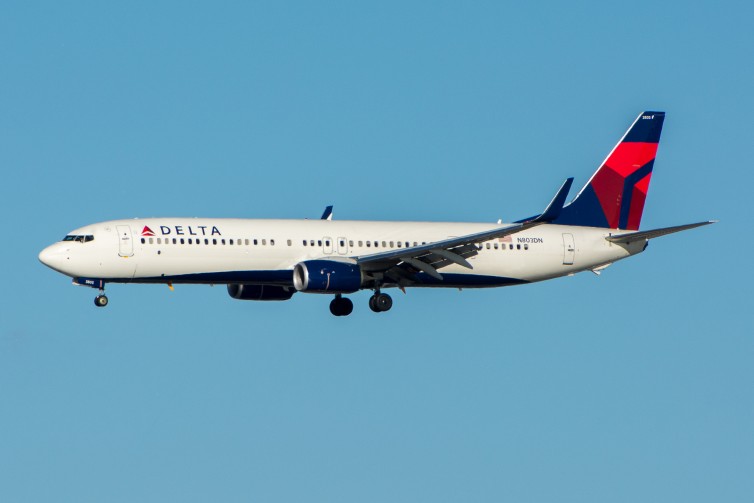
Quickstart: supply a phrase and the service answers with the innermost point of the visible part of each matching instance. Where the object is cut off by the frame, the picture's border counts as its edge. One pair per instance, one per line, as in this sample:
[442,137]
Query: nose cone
[53,257]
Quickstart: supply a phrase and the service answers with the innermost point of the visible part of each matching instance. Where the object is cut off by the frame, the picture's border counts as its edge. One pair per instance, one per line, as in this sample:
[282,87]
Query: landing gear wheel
[380,302]
[100,300]
[341,306]
[383,302]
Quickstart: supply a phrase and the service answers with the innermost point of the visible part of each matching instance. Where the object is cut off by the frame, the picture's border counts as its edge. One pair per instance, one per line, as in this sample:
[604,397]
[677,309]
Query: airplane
[271,260]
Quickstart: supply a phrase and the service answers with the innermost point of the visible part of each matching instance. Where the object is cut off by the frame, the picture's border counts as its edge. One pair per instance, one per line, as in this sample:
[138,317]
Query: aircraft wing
[402,264]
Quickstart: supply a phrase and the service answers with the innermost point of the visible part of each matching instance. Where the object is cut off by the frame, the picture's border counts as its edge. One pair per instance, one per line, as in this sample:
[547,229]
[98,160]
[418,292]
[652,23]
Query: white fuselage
[225,251]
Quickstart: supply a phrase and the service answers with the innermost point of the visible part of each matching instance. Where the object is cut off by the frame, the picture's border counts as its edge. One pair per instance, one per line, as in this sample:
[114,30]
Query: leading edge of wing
[446,244]
[551,212]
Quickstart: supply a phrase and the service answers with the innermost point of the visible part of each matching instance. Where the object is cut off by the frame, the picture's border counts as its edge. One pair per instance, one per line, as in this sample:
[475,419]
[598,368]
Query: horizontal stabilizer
[656,233]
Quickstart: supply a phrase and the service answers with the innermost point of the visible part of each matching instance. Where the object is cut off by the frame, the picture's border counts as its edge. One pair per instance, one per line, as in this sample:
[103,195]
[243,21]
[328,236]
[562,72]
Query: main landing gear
[341,306]
[379,303]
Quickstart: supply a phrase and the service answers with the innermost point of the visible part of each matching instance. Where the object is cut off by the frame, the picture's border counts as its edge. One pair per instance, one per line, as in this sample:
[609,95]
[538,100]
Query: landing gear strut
[341,306]
[380,302]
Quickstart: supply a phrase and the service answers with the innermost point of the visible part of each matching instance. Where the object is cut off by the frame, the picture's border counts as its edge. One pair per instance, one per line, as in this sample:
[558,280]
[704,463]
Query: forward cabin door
[125,241]
[569,249]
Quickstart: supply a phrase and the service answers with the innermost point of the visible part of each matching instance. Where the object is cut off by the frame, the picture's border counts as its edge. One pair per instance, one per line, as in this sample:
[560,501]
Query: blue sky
[636,385]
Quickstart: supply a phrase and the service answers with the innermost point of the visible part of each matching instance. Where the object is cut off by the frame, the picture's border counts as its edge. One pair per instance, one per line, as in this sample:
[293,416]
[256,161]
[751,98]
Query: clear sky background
[633,386]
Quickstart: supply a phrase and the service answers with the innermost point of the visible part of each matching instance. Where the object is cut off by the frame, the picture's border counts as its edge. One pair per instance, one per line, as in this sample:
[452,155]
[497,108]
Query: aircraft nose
[52,257]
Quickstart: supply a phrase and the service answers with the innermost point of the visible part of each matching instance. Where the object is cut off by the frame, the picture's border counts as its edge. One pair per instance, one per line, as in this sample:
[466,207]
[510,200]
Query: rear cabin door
[569,249]
[125,241]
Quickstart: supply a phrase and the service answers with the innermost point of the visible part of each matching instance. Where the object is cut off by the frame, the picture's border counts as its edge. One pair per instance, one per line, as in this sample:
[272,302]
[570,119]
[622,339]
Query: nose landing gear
[100,300]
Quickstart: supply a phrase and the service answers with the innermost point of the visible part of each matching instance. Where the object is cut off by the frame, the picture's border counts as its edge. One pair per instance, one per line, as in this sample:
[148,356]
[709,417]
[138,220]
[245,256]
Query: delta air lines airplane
[274,259]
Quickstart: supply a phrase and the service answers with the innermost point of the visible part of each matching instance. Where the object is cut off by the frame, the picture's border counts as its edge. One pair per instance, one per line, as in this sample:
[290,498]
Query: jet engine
[260,292]
[327,276]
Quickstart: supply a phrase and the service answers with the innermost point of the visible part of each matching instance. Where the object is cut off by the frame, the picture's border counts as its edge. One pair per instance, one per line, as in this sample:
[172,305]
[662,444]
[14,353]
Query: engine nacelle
[260,292]
[327,276]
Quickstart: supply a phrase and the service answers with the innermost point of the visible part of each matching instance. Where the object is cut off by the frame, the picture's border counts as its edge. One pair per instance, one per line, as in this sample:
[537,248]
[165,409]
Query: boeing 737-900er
[273,259]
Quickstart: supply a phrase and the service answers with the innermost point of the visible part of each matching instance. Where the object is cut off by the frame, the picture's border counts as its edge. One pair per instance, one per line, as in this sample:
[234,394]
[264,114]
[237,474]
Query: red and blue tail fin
[614,197]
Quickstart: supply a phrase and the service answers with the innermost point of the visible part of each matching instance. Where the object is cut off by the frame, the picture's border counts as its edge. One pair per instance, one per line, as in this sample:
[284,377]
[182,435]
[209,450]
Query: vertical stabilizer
[614,197]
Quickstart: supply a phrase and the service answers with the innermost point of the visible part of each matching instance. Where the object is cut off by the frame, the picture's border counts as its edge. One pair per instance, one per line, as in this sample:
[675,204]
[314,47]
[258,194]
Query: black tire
[100,301]
[346,306]
[335,307]
[383,302]
[373,305]
[341,306]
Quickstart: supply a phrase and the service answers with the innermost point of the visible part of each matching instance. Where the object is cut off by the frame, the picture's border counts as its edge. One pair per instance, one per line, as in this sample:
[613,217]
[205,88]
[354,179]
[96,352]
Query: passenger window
[214,241]
[342,243]
[327,242]
[311,242]
[222,241]
[206,241]
[376,244]
[488,246]
[399,244]
[361,243]
[246,242]
[304,242]
[510,246]
[495,245]
[350,243]
[143,240]
[526,246]
[151,241]
[518,247]
[369,244]
[231,241]
[159,241]
[182,241]
[272,242]
[289,242]
[319,242]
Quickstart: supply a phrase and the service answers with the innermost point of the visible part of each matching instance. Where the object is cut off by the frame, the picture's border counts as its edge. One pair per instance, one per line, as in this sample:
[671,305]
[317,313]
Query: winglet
[327,215]
[556,205]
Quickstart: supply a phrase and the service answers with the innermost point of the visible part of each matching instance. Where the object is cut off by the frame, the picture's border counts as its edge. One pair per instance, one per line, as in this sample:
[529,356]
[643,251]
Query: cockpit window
[79,238]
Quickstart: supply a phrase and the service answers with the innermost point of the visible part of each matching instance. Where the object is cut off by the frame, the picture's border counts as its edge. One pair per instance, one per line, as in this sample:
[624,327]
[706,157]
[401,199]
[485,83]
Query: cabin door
[569,249]
[125,241]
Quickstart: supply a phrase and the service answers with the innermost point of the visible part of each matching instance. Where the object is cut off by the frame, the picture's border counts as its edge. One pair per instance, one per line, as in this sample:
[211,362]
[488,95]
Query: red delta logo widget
[183,230]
